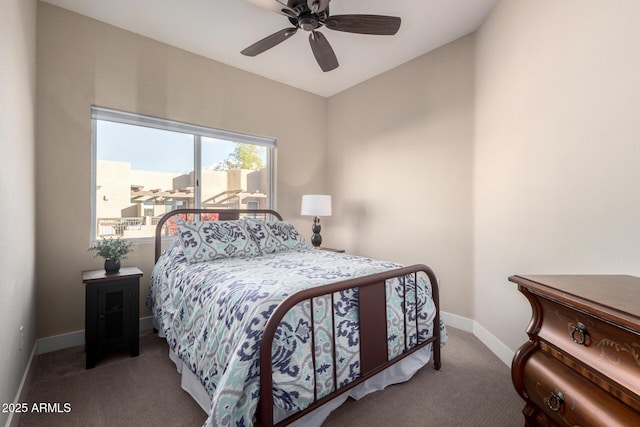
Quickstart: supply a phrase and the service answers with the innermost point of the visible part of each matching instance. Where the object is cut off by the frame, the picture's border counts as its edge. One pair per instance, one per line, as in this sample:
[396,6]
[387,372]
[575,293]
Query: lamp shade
[316,205]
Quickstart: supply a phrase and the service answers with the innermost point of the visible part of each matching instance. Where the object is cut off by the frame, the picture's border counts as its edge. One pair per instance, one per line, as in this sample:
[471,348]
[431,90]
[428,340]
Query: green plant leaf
[112,248]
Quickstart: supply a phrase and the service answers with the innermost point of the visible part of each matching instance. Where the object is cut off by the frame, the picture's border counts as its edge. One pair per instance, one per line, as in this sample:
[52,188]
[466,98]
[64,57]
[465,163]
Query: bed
[265,329]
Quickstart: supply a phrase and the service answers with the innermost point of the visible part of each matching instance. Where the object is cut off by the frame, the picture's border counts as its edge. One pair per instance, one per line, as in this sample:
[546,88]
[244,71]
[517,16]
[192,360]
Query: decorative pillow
[211,240]
[275,236]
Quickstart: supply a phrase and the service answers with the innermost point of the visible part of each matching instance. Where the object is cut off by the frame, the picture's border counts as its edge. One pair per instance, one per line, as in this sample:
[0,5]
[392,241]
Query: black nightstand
[111,312]
[322,248]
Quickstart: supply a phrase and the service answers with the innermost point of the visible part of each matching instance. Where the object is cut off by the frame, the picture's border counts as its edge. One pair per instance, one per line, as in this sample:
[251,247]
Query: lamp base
[316,238]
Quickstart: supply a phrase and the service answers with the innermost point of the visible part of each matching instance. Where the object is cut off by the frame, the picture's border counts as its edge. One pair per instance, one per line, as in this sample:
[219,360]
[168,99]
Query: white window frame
[198,132]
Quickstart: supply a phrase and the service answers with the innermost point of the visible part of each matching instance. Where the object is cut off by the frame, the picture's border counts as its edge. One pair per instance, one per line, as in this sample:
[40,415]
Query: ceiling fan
[310,15]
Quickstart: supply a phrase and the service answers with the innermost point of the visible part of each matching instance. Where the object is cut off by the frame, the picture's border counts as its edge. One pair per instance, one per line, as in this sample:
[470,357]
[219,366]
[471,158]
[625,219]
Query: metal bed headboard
[223,215]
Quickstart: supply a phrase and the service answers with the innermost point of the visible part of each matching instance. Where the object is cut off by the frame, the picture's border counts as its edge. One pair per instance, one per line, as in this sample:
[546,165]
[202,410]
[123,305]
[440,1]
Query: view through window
[145,167]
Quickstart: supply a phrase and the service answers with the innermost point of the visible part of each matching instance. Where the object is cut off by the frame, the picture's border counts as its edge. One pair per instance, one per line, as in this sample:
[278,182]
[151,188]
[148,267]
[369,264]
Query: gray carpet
[473,388]
[119,391]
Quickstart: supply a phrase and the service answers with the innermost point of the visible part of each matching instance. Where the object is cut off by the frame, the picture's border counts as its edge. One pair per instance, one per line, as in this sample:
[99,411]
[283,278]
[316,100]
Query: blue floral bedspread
[213,315]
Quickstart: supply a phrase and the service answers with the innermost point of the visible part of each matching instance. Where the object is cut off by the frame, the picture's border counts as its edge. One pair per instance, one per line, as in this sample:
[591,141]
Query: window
[144,167]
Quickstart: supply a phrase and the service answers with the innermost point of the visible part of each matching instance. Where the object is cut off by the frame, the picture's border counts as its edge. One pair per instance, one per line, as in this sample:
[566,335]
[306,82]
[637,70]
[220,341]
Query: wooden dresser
[581,365]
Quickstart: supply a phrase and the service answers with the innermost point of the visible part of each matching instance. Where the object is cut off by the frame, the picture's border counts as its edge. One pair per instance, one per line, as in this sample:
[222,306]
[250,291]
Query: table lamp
[316,205]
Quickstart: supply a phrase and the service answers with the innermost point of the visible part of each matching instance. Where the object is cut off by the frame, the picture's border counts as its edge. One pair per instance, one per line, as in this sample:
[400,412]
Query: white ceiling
[220,29]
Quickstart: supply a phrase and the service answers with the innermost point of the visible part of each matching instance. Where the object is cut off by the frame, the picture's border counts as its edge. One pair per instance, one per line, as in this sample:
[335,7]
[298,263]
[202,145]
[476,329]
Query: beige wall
[17,190]
[399,168]
[83,62]
[557,149]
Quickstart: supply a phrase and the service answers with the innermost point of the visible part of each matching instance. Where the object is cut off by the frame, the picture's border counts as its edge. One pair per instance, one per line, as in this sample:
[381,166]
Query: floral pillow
[211,240]
[275,236]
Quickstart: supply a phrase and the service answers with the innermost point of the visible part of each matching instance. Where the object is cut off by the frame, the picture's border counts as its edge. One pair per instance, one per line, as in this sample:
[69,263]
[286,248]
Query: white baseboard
[24,384]
[496,346]
[457,322]
[73,339]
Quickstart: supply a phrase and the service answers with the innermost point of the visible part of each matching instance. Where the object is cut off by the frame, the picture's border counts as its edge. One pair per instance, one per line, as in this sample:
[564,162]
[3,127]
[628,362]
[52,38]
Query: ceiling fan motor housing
[308,22]
[306,19]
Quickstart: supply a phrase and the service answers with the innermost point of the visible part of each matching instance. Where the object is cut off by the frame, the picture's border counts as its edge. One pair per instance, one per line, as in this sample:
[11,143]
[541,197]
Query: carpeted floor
[473,388]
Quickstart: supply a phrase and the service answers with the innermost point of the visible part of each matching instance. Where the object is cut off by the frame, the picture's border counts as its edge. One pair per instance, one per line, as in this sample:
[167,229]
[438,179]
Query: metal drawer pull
[554,402]
[581,331]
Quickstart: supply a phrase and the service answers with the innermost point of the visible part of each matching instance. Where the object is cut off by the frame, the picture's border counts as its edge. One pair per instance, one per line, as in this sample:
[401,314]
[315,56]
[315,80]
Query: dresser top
[612,296]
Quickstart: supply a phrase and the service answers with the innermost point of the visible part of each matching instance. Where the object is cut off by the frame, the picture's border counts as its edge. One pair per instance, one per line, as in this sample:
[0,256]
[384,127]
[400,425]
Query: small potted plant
[112,250]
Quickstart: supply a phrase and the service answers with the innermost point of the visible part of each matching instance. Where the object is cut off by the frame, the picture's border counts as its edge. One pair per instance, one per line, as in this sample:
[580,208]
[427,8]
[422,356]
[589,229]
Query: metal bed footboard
[372,308]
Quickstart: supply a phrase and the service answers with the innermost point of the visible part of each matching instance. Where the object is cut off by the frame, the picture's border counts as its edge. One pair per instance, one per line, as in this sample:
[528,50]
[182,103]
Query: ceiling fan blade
[316,6]
[323,52]
[269,42]
[364,24]
[274,6]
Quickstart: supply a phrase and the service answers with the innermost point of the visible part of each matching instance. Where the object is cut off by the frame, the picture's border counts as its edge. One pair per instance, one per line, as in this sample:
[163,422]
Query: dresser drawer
[569,399]
[606,348]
